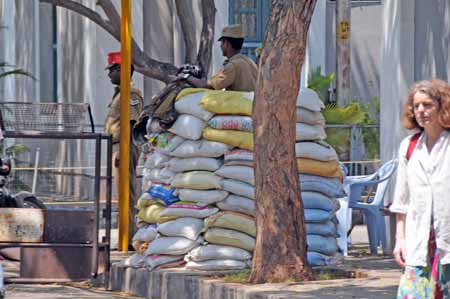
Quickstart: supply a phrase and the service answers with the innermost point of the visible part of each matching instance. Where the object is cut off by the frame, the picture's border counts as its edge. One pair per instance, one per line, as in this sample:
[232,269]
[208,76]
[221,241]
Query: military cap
[113,59]
[233,31]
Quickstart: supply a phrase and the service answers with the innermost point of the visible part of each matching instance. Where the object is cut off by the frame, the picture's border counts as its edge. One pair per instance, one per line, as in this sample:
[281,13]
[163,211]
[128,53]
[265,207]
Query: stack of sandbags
[319,170]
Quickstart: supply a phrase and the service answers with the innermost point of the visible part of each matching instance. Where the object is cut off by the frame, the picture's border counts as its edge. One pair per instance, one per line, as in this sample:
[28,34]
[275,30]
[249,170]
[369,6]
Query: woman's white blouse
[422,191]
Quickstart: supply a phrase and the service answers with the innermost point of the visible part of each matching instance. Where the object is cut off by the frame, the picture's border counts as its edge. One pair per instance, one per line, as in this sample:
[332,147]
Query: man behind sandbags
[238,73]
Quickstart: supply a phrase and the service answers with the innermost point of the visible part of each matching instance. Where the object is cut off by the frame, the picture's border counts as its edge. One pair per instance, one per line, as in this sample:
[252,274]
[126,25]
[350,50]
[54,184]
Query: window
[252,14]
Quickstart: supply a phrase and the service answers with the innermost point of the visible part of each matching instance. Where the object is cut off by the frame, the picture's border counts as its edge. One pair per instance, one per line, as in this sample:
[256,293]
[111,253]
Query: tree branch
[187,21]
[143,63]
[204,54]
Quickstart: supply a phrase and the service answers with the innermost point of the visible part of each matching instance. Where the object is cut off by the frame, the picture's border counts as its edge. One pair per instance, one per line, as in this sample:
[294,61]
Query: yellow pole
[124,173]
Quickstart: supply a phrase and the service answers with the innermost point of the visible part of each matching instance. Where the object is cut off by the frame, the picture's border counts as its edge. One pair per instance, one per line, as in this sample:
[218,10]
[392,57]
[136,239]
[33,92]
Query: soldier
[238,73]
[112,126]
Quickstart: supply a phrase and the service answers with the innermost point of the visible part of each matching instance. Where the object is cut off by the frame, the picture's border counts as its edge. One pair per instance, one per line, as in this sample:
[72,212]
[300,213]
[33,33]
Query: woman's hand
[400,252]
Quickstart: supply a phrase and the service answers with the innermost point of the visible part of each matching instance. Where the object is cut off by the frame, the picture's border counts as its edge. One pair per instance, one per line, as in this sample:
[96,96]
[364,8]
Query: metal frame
[98,137]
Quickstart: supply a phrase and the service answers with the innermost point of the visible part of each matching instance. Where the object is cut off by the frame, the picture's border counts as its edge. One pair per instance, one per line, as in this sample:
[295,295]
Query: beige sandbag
[310,117]
[238,204]
[232,220]
[201,197]
[188,127]
[200,180]
[230,238]
[316,151]
[152,214]
[200,148]
[309,99]
[195,163]
[239,139]
[228,102]
[241,173]
[319,168]
[308,132]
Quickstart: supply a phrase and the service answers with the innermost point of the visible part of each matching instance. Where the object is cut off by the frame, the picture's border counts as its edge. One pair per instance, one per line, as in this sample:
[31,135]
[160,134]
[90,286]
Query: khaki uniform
[112,126]
[238,73]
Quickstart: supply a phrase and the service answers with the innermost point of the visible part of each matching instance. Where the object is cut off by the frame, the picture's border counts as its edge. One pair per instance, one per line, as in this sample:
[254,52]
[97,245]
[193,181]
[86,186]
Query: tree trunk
[204,55]
[280,251]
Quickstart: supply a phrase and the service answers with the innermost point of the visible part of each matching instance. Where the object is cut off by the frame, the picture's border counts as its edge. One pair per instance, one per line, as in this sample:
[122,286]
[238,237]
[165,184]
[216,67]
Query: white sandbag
[310,117]
[200,180]
[217,265]
[167,142]
[197,163]
[308,132]
[217,252]
[230,237]
[200,148]
[202,197]
[232,220]
[238,204]
[190,105]
[186,227]
[315,150]
[146,233]
[231,122]
[238,154]
[134,261]
[238,188]
[172,246]
[161,175]
[188,126]
[154,261]
[309,99]
[156,160]
[183,210]
[241,173]
[240,163]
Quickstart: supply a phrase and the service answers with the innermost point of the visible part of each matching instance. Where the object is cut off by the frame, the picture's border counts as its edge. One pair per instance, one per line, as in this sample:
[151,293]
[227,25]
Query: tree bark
[281,248]
[187,21]
[142,62]
[204,55]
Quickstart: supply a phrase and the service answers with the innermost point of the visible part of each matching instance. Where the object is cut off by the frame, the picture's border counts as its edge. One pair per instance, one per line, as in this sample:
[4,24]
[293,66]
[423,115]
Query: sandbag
[144,201]
[238,154]
[146,234]
[152,214]
[317,216]
[228,102]
[156,160]
[200,180]
[200,148]
[154,261]
[202,197]
[324,245]
[240,163]
[197,163]
[188,127]
[172,246]
[186,227]
[139,246]
[241,173]
[331,187]
[327,229]
[230,238]
[310,117]
[234,221]
[167,142]
[161,175]
[136,261]
[185,210]
[309,99]
[238,204]
[319,168]
[231,122]
[315,150]
[308,132]
[190,104]
[238,188]
[217,252]
[316,200]
[316,259]
[239,139]
[217,265]
[163,194]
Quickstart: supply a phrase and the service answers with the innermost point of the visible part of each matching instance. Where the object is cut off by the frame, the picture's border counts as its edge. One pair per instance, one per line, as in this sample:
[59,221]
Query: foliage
[15,150]
[238,277]
[15,71]
[320,83]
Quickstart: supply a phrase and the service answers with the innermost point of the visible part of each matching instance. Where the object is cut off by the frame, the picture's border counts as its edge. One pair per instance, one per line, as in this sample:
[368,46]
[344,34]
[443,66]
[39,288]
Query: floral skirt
[431,282]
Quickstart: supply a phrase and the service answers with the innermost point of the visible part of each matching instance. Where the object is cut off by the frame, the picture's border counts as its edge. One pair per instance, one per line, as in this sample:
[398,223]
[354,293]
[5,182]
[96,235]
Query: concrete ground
[382,280]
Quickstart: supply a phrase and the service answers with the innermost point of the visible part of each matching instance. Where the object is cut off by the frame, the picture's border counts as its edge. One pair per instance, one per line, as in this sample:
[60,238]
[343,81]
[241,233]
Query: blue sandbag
[327,229]
[324,245]
[163,194]
[316,200]
[331,187]
[317,259]
[318,216]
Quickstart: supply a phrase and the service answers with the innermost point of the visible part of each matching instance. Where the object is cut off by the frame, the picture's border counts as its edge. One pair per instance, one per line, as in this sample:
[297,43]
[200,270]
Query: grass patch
[239,277]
